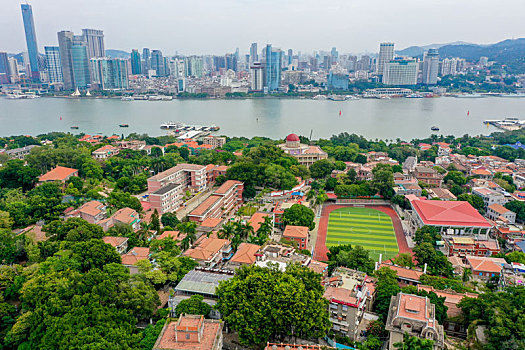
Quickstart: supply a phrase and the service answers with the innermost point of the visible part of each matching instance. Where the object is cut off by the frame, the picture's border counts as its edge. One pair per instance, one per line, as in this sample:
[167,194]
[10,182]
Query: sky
[220,26]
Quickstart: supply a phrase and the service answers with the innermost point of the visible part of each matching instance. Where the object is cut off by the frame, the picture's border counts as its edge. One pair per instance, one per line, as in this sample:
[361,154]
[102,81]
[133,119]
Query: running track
[320,245]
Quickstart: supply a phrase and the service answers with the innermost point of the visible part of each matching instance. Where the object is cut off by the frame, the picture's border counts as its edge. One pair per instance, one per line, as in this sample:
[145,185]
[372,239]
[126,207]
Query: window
[187,336]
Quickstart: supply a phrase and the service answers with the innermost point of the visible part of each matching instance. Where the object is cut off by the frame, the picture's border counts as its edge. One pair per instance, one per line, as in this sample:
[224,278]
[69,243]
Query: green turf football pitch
[372,229]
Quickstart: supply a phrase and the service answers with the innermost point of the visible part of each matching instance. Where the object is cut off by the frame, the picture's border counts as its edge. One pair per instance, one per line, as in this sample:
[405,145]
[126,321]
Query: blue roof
[521,244]
[517,145]
[297,193]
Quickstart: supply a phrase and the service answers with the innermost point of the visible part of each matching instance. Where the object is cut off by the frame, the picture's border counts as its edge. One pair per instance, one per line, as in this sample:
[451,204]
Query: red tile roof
[448,213]
[295,231]
[60,173]
[245,253]
[257,219]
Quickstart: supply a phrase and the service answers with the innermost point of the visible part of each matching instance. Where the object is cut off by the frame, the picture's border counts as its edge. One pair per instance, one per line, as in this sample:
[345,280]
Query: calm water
[385,119]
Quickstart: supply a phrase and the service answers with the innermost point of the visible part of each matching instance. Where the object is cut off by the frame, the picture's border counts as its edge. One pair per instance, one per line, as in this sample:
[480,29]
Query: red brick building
[297,234]
[225,199]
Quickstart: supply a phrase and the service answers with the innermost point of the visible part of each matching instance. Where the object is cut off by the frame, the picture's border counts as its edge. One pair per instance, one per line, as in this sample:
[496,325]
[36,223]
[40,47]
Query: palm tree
[185,243]
[227,231]
[467,274]
[188,228]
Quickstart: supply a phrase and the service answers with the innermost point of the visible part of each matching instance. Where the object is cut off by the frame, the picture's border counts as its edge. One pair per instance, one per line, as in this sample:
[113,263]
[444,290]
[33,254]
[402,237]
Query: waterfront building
[110,73]
[337,81]
[416,316]
[14,74]
[81,71]
[273,68]
[452,66]
[74,60]
[4,68]
[146,60]
[193,66]
[386,54]
[430,67]
[157,63]
[94,39]
[257,76]
[54,67]
[254,57]
[136,66]
[32,47]
[305,154]
[400,71]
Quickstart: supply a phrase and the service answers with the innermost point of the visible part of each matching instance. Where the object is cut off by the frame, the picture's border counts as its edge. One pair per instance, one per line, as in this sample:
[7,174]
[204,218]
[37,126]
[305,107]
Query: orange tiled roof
[60,173]
[134,255]
[257,219]
[114,240]
[295,231]
[245,253]
[206,249]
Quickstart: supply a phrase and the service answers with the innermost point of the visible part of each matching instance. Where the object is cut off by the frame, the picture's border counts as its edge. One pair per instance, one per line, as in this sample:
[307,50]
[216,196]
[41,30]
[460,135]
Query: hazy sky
[219,26]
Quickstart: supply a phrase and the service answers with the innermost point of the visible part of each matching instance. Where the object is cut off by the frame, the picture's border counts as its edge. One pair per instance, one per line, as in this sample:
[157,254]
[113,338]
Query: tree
[11,246]
[15,174]
[193,306]
[271,312]
[383,180]
[357,259]
[155,223]
[475,201]
[404,259]
[414,343]
[169,219]
[437,264]
[455,177]
[321,168]
[73,229]
[518,257]
[299,215]
[119,200]
[386,288]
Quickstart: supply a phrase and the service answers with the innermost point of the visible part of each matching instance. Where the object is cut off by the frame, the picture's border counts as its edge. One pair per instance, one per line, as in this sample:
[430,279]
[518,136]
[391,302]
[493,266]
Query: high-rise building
[110,73]
[430,67]
[94,39]
[32,47]
[273,68]
[400,72]
[4,68]
[157,63]
[146,57]
[136,64]
[290,57]
[14,75]
[54,67]
[451,66]
[193,66]
[257,72]
[254,57]
[74,60]
[335,55]
[386,54]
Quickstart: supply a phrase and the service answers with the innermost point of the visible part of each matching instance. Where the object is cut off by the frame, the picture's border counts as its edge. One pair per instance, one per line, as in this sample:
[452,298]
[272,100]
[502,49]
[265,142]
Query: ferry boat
[519,94]
[123,125]
[319,97]
[126,98]
[15,96]
[74,127]
[154,98]
[434,128]
[171,125]
[414,96]
[333,97]
[470,96]
[166,98]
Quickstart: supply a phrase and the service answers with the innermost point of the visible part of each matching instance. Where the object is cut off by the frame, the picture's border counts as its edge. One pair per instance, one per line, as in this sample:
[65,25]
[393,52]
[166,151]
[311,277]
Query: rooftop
[202,281]
[498,208]
[204,206]
[172,336]
[59,173]
[295,231]
[245,253]
[492,265]
[225,187]
[448,213]
[134,255]
[114,240]
[91,208]
[165,189]
[257,219]
[206,249]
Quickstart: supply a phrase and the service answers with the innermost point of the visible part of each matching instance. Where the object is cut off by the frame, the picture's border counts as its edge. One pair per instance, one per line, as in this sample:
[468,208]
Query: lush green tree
[169,219]
[357,258]
[119,200]
[321,169]
[271,311]
[405,260]
[414,343]
[11,247]
[330,184]
[73,229]
[155,222]
[15,174]
[151,334]
[518,257]
[475,201]
[428,234]
[193,306]
[386,288]
[383,180]
[437,264]
[455,177]
[518,207]
[299,215]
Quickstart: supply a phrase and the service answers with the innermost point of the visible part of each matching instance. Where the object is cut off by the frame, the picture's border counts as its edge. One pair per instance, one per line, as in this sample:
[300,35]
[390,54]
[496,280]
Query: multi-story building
[92,211]
[74,60]
[110,73]
[428,176]
[18,153]
[157,63]
[430,67]
[223,201]
[32,47]
[273,68]
[298,234]
[119,243]
[54,67]
[305,154]
[166,189]
[485,268]
[499,212]
[214,141]
[489,196]
[105,152]
[94,39]
[136,64]
[209,251]
[190,332]
[416,316]
[125,216]
[4,69]
[254,57]
[348,296]
[463,246]
[386,54]
[59,173]
[257,76]
[337,81]
[401,71]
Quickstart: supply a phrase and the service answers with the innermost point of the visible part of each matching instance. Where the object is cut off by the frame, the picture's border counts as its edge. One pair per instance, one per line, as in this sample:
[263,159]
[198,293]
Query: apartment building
[226,198]
[298,234]
[489,196]
[463,246]
[166,189]
[428,175]
[497,211]
[214,141]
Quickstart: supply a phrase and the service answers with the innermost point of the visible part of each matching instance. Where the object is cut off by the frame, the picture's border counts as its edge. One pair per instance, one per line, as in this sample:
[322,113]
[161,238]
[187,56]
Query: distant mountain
[117,54]
[417,51]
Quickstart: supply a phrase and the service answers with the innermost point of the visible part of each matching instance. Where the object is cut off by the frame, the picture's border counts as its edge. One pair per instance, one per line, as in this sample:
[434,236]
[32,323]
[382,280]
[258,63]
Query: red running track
[320,245]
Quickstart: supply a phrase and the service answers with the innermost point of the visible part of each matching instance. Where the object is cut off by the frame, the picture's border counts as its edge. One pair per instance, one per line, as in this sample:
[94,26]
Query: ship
[333,97]
[414,96]
[74,127]
[171,126]
[123,125]
[434,128]
[126,98]
[470,96]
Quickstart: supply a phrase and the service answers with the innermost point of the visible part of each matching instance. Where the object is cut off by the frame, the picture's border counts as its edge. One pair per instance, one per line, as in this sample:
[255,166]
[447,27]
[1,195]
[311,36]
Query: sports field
[369,228]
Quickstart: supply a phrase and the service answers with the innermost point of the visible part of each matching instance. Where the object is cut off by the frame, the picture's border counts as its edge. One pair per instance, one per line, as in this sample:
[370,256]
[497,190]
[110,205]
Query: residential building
[410,163]
[54,67]
[223,201]
[190,332]
[18,153]
[273,68]
[59,173]
[400,72]
[298,234]
[497,211]
[202,281]
[450,217]
[284,346]
[489,196]
[131,258]
[441,194]
[105,152]
[305,154]
[125,216]
[463,246]
[386,54]
[74,60]
[109,73]
[407,189]
[146,60]
[257,219]
[347,294]
[209,251]
[485,268]
[134,145]
[166,189]
[119,243]
[157,63]
[430,67]
[214,141]
[94,39]
[318,267]
[416,316]
[337,81]
[452,298]
[428,175]
[245,255]
[281,256]
[405,276]
[32,47]
[92,211]
[136,64]
[257,76]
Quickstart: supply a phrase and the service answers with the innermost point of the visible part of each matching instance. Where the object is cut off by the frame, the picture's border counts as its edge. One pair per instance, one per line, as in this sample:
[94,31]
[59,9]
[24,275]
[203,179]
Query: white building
[430,67]
[257,70]
[386,54]
[400,72]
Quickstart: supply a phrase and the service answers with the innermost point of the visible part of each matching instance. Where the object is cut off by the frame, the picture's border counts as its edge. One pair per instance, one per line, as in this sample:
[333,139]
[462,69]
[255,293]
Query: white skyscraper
[257,71]
[400,72]
[386,54]
[430,67]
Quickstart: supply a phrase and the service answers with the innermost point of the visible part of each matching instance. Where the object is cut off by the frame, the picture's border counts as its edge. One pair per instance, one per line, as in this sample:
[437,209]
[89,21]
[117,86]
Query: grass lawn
[369,228]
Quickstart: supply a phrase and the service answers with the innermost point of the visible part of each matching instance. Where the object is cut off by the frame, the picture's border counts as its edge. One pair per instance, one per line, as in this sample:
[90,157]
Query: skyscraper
[136,64]
[74,60]
[4,68]
[157,63]
[400,72]
[147,60]
[335,55]
[290,56]
[257,72]
[430,67]
[110,73]
[254,57]
[54,67]
[386,54]
[32,47]
[273,68]
[94,39]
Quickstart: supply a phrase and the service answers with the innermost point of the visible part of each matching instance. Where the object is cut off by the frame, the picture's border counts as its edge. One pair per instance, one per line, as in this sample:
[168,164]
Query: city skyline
[350,34]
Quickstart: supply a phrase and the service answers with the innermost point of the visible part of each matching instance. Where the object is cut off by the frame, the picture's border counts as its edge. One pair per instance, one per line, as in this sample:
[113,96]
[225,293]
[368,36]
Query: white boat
[319,97]
[154,98]
[470,96]
[166,98]
[15,96]
[126,98]
[31,96]
[517,95]
[414,96]
[333,97]
[76,93]
[385,97]
[171,125]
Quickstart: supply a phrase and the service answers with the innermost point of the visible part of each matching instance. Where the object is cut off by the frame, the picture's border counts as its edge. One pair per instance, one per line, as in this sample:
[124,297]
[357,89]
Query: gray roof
[202,282]
[166,188]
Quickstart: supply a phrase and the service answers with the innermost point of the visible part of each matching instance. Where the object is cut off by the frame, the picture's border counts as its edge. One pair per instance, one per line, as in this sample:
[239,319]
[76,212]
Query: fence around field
[362,201]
